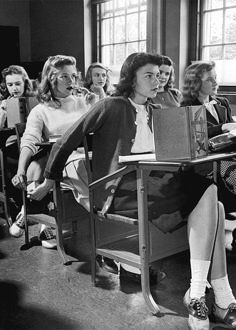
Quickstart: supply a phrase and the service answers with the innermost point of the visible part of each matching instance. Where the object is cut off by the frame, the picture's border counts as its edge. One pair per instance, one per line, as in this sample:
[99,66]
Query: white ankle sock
[222,291]
[199,271]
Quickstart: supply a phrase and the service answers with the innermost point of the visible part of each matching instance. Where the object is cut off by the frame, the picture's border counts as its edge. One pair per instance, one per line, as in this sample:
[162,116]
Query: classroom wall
[57,27]
[16,13]
[175,35]
[49,27]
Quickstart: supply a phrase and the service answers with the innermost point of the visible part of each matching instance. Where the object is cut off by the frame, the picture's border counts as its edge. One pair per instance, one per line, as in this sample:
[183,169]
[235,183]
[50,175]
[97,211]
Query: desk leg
[144,239]
[3,193]
[57,196]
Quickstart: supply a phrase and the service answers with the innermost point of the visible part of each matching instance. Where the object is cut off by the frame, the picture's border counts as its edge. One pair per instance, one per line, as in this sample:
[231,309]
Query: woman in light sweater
[53,116]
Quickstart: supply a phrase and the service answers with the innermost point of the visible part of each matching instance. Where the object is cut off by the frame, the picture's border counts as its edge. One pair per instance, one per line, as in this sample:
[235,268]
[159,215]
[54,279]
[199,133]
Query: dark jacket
[224,113]
[113,122]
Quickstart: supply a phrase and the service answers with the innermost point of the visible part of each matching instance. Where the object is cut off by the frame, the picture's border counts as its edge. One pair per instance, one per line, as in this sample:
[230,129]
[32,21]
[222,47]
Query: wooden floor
[38,292]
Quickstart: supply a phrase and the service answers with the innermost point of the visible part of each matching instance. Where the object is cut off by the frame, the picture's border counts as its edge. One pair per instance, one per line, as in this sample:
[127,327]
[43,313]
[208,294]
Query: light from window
[121,27]
[219,38]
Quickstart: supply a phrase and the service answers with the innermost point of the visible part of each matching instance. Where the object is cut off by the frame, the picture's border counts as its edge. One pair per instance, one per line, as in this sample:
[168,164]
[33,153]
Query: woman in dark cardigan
[122,125]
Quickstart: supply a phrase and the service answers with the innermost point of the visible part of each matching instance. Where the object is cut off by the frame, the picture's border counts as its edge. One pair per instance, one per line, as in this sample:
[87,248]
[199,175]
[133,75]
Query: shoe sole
[48,245]
[16,235]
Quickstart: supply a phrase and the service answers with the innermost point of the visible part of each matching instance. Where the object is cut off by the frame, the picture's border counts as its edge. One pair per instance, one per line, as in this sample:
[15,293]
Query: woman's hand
[19,181]
[41,190]
[97,89]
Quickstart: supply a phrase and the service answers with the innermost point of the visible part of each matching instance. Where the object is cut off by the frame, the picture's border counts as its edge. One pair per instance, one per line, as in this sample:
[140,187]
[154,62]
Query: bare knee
[211,192]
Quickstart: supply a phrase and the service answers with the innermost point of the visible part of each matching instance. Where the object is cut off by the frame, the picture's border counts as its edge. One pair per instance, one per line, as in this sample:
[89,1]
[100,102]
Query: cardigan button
[112,191]
[132,140]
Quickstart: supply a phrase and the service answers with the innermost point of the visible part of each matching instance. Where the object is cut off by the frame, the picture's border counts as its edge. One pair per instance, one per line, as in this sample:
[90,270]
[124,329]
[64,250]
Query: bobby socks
[222,291]
[199,271]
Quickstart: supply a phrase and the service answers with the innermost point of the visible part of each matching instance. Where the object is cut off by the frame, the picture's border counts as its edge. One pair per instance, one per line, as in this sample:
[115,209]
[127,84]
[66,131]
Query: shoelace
[200,307]
[20,220]
[47,233]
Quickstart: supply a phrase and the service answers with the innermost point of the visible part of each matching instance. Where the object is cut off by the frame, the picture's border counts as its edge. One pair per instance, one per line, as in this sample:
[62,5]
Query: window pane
[213,4]
[226,72]
[142,46]
[212,53]
[230,52]
[132,27]
[107,55]
[143,25]
[132,47]
[119,7]
[119,28]
[119,4]
[212,29]
[122,30]
[230,3]
[119,54]
[107,31]
[107,8]
[132,3]
[230,25]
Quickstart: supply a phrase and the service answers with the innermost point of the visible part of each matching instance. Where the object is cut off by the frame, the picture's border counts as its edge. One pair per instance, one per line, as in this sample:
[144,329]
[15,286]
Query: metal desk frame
[143,169]
[5,133]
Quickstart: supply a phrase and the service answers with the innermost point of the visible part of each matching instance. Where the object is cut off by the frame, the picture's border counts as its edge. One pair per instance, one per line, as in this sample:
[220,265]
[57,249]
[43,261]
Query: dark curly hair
[133,62]
[15,69]
[48,77]
[193,79]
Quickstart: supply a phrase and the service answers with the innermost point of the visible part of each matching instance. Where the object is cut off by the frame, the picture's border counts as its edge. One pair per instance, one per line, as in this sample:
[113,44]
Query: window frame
[99,19]
[154,35]
[199,40]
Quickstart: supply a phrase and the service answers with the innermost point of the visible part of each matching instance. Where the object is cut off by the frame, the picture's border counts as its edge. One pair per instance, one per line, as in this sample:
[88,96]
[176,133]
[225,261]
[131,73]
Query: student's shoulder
[222,100]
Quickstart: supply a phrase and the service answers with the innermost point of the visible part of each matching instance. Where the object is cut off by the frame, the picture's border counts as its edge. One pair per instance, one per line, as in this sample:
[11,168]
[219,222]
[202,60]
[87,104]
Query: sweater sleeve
[73,138]
[34,130]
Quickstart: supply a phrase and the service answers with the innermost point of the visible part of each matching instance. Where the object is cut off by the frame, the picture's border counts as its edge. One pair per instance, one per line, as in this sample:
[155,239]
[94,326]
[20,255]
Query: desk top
[150,159]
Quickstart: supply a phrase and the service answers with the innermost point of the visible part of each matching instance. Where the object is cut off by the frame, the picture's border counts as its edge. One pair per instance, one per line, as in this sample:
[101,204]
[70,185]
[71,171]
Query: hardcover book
[18,109]
[180,133]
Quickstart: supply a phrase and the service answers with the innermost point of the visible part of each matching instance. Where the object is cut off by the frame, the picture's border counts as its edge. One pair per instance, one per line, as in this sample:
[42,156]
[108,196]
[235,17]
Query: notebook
[18,109]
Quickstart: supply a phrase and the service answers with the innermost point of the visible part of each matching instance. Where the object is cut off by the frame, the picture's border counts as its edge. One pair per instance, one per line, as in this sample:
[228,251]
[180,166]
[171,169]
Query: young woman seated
[97,80]
[15,83]
[200,87]
[122,125]
[57,111]
[167,95]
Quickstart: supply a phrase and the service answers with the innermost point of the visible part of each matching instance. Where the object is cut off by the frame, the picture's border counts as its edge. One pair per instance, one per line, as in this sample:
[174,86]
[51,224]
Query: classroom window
[218,37]
[121,30]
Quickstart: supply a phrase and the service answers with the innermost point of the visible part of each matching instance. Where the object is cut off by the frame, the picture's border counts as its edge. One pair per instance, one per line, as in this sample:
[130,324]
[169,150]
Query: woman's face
[65,81]
[165,71]
[209,83]
[146,83]
[15,85]
[99,77]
